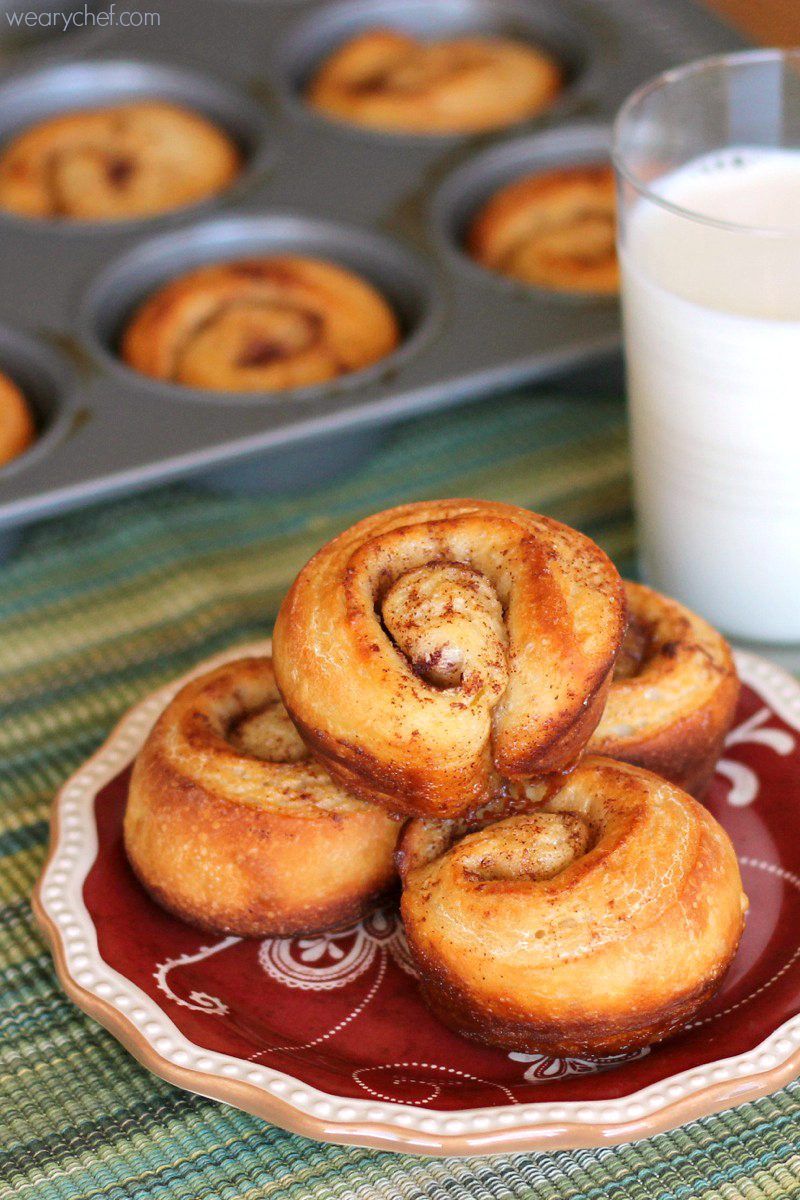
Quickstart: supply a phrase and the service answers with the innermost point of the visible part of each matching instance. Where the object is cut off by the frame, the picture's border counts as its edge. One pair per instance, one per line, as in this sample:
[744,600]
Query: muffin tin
[391,206]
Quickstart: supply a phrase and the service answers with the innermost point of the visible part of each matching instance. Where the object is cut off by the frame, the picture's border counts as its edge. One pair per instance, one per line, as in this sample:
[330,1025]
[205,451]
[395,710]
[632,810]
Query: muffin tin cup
[310,186]
[72,86]
[47,383]
[463,193]
[400,278]
[543,24]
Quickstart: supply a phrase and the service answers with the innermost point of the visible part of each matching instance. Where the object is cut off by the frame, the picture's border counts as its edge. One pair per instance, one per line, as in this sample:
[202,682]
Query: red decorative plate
[327,1035]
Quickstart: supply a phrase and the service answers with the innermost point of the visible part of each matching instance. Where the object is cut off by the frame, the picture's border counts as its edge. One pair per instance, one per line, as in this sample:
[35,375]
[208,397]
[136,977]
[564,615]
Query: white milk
[712,336]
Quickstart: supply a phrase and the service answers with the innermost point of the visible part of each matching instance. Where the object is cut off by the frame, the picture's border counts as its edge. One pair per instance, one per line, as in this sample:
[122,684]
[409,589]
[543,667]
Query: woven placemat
[97,610]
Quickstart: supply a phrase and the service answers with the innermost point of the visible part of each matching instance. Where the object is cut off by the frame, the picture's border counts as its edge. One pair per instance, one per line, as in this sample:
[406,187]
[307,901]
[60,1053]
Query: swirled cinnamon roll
[555,229]
[673,695]
[109,164]
[262,324]
[17,429]
[438,648]
[594,924]
[231,826]
[388,80]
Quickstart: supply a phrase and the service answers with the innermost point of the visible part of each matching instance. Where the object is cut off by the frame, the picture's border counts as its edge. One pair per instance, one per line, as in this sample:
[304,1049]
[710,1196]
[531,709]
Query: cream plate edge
[150,1034]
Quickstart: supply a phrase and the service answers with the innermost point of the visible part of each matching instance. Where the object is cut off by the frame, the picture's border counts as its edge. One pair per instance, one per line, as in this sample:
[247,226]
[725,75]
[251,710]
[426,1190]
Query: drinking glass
[708,167]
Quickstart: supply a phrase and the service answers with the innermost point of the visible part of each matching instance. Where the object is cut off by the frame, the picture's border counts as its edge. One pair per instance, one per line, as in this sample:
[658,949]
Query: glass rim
[674,75]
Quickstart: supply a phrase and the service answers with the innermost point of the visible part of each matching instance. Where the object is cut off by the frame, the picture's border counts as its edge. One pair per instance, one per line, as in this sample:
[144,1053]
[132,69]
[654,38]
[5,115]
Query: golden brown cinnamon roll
[109,164]
[673,695]
[388,80]
[434,648]
[593,925]
[262,324]
[17,429]
[555,229]
[231,826]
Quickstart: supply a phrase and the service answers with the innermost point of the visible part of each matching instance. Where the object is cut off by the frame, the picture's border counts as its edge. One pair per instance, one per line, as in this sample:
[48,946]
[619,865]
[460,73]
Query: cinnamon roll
[597,923]
[388,80]
[261,324]
[555,229]
[434,650]
[109,164]
[673,695]
[232,827]
[17,429]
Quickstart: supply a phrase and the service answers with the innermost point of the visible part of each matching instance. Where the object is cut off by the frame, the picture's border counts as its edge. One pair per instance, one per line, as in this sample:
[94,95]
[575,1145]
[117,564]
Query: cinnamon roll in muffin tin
[391,207]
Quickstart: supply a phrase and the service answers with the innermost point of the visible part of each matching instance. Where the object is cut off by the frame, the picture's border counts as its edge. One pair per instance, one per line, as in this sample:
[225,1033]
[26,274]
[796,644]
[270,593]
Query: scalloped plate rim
[385,1125]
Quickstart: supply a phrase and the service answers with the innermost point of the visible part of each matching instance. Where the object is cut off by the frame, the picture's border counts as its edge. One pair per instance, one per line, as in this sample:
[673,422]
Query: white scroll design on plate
[198,1001]
[743,779]
[545,1067]
[333,960]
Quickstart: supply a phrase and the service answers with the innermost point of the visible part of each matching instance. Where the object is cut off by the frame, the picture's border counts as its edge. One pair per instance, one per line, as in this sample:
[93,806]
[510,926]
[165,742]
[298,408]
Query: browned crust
[407,777]
[687,752]
[254,866]
[684,750]
[260,921]
[390,785]
[463,1011]
[269,858]
[570,735]
[492,992]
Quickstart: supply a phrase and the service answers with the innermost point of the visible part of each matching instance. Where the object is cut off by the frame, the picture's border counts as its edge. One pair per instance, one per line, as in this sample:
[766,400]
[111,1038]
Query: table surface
[100,608]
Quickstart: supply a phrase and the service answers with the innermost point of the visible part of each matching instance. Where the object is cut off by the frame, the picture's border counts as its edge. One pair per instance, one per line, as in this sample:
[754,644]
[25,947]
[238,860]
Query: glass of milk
[708,166]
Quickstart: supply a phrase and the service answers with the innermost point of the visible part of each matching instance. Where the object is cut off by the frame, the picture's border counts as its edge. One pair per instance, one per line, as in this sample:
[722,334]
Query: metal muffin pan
[391,206]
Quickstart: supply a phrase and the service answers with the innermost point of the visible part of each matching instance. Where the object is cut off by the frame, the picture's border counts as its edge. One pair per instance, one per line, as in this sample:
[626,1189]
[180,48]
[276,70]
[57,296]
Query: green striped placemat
[98,609]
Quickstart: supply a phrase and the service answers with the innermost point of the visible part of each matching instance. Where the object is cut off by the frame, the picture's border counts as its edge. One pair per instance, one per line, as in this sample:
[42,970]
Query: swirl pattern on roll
[389,80]
[555,229]
[262,324]
[233,827]
[109,164]
[434,650]
[594,924]
[673,695]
